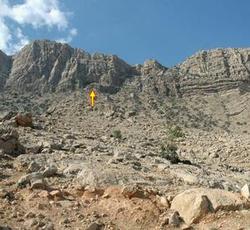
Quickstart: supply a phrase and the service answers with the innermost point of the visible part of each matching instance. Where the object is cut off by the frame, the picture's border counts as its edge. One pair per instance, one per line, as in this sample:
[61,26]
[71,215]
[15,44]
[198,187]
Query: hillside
[163,148]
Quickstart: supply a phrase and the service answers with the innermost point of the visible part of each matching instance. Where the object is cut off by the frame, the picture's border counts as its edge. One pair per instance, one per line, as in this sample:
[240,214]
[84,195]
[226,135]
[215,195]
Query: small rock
[66,203]
[34,148]
[130,113]
[49,226]
[56,194]
[30,215]
[31,222]
[73,169]
[50,171]
[186,227]
[5,227]
[175,219]
[26,179]
[33,167]
[132,191]
[69,137]
[162,167]
[38,184]
[94,226]
[44,194]
[66,221]
[163,201]
[214,155]
[245,191]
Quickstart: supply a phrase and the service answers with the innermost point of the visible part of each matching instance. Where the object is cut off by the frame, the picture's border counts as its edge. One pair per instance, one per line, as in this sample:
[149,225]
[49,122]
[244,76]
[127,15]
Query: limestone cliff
[46,66]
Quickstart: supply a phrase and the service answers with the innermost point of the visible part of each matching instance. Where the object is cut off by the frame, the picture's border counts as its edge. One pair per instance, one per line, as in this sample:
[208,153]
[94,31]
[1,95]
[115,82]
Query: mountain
[5,66]
[46,66]
[162,148]
[215,70]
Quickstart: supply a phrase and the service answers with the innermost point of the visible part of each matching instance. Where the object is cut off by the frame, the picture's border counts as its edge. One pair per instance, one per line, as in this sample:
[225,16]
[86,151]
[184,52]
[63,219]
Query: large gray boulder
[9,143]
[97,177]
[194,204]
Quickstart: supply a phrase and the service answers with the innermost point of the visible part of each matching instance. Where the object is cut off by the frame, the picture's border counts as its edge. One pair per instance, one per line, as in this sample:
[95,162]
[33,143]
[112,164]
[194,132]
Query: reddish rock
[24,120]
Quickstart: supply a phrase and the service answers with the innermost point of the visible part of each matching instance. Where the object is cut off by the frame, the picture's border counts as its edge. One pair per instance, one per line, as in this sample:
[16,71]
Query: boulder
[96,177]
[50,171]
[194,204]
[33,167]
[9,143]
[73,169]
[38,184]
[29,179]
[24,120]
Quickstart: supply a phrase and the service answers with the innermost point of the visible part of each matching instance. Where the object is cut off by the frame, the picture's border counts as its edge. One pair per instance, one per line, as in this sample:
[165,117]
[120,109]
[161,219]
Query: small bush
[175,132]
[117,134]
[168,152]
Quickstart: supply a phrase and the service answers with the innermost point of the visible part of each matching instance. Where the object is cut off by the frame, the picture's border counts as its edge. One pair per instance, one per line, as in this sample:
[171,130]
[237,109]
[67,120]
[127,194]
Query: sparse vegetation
[116,134]
[169,152]
[241,123]
[175,132]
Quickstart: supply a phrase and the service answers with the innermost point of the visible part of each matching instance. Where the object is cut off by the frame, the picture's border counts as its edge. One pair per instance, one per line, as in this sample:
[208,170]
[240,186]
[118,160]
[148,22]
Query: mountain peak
[47,66]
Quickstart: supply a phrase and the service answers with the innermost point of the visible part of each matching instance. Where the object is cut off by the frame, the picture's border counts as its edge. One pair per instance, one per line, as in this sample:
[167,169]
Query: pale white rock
[245,191]
[194,204]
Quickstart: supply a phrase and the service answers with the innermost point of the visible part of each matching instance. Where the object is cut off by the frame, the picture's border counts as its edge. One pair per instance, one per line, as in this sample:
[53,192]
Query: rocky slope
[163,148]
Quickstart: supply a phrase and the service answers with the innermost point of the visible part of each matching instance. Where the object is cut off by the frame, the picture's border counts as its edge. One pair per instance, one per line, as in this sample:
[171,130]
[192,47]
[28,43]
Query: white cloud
[39,13]
[36,13]
[5,35]
[72,33]
[22,41]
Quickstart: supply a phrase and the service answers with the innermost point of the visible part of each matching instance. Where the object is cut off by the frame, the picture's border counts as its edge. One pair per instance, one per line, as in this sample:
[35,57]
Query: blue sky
[136,30]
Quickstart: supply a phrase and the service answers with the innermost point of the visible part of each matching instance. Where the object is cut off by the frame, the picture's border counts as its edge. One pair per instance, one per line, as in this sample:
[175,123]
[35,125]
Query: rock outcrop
[215,70]
[45,66]
[5,65]
[194,204]
[9,143]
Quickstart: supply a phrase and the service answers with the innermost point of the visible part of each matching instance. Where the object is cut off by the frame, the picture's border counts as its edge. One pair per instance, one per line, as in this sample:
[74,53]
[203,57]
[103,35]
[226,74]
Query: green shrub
[117,134]
[169,152]
[175,132]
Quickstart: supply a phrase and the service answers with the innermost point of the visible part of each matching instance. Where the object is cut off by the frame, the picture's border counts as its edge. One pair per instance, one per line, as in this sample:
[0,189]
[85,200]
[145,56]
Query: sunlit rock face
[47,66]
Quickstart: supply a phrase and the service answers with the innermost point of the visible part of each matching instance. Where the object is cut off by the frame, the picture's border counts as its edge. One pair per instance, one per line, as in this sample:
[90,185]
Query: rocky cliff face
[220,69]
[45,66]
[147,157]
[5,65]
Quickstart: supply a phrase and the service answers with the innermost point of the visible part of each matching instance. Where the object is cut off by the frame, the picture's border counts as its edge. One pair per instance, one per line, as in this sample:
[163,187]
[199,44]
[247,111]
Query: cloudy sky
[135,30]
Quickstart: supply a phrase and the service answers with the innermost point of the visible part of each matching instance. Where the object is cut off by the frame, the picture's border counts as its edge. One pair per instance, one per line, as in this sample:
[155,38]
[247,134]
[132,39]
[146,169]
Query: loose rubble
[158,150]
